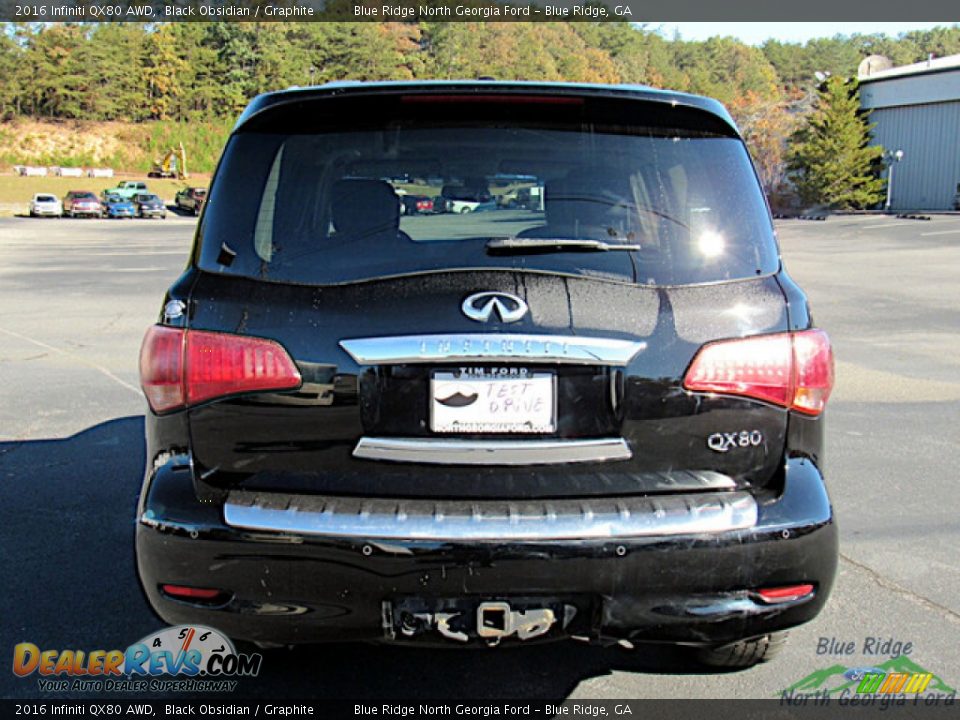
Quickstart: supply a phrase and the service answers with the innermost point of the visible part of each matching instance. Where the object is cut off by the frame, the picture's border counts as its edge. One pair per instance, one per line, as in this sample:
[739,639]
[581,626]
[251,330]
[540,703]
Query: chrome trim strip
[493,521]
[492,347]
[443,451]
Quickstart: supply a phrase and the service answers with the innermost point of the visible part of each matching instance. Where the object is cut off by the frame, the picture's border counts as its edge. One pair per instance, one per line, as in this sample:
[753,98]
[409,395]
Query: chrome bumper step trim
[492,521]
[442,451]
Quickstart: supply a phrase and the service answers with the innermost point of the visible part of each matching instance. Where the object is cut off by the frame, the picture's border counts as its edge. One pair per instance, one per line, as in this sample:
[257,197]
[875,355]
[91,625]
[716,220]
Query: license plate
[493,401]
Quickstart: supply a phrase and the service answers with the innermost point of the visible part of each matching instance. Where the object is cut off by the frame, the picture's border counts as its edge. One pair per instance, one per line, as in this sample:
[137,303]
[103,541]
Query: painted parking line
[134,251]
[941,232]
[74,356]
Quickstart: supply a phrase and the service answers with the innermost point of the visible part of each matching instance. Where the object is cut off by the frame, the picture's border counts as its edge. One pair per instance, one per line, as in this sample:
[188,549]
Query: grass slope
[129,147]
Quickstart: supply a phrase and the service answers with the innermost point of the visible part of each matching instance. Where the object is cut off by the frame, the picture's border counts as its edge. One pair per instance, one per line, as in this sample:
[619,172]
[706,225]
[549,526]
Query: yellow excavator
[171,165]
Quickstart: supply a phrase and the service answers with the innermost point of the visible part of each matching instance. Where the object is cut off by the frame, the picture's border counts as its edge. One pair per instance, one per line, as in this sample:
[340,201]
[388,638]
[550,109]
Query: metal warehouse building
[916,109]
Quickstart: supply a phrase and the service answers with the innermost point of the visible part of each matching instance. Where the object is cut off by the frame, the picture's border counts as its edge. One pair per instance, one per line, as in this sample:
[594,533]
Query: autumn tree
[163,73]
[514,51]
[58,71]
[726,69]
[766,125]
[640,55]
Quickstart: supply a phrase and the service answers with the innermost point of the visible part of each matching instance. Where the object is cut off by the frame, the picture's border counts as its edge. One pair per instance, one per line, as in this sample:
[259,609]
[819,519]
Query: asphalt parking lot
[76,295]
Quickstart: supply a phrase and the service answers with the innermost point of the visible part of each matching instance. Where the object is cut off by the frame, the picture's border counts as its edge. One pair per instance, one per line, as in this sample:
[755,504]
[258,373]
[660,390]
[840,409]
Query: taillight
[813,364]
[161,368]
[505,99]
[185,367]
[793,370]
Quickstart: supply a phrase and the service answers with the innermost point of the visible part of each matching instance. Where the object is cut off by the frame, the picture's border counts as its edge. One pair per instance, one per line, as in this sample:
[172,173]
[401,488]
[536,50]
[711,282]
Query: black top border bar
[944,11]
[222,705]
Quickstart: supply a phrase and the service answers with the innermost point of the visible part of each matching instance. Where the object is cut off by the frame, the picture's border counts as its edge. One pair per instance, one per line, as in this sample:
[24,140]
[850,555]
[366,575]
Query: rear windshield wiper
[544,245]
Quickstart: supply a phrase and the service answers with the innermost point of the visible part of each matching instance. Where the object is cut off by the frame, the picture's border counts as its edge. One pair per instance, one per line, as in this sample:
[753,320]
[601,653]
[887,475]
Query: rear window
[45,198]
[324,205]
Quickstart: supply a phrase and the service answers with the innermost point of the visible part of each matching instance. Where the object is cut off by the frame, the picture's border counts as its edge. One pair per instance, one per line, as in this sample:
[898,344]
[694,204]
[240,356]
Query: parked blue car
[117,206]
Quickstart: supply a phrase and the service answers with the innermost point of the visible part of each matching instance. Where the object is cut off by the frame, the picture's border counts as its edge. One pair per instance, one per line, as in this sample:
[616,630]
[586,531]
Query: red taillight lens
[504,99]
[813,362]
[205,595]
[784,594]
[794,370]
[219,364]
[185,367]
[161,368]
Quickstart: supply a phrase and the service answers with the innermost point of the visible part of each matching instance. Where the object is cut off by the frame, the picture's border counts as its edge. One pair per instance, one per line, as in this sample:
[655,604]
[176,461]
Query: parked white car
[46,205]
[462,206]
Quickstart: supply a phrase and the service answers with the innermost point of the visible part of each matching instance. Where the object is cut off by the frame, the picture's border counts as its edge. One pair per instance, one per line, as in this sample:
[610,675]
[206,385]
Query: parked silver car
[45,205]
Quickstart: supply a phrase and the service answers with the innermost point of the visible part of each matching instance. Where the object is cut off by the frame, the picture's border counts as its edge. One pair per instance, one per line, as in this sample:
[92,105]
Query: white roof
[932,65]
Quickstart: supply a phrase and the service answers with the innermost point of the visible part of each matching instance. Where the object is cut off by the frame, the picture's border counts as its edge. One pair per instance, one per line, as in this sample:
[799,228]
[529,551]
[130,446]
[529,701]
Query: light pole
[892,159]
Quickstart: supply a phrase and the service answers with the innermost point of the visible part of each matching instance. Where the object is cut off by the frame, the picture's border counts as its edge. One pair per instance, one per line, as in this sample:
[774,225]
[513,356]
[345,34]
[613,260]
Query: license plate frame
[508,401]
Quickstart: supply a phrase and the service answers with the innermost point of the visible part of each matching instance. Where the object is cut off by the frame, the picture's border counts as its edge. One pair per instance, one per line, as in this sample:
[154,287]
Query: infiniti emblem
[480,306]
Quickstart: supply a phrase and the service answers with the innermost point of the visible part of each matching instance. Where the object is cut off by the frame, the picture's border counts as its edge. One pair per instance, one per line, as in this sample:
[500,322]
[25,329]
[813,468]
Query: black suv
[600,418]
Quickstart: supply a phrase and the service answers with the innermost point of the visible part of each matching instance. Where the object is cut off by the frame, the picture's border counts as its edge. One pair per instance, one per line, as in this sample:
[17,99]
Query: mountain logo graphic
[898,675]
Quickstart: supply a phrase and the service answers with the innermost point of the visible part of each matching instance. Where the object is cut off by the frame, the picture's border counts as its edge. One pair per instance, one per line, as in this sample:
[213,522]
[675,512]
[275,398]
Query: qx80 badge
[725,442]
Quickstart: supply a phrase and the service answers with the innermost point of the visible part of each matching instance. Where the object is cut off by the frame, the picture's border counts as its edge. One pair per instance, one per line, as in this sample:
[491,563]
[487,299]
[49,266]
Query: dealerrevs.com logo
[185,658]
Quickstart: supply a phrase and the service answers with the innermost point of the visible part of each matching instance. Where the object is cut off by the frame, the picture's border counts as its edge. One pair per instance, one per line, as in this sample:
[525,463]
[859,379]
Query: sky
[754,33]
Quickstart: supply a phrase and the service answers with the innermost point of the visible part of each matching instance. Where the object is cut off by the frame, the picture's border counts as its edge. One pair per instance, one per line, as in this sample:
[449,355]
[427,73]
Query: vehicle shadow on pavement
[178,212]
[550,671]
[67,508]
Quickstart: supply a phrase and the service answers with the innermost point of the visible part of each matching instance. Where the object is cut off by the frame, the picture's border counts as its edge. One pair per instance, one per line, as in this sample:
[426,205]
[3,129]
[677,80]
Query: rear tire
[745,653]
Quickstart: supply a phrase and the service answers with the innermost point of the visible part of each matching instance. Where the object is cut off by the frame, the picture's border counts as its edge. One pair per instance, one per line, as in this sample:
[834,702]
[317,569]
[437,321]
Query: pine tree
[830,157]
[11,89]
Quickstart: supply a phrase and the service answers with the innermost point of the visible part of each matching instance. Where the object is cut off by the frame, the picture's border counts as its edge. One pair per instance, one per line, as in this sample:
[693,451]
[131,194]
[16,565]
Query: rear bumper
[290,587]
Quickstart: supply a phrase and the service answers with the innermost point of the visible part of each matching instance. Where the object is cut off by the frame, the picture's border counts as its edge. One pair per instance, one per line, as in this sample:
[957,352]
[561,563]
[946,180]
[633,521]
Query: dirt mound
[69,143]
